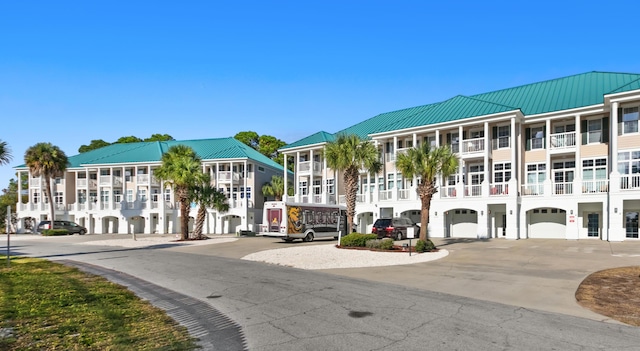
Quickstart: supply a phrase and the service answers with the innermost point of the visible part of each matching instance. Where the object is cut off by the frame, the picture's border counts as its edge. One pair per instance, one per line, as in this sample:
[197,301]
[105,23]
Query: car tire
[399,236]
[82,232]
[308,238]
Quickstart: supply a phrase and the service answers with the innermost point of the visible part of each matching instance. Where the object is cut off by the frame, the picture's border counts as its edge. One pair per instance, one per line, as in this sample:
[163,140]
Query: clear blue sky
[73,71]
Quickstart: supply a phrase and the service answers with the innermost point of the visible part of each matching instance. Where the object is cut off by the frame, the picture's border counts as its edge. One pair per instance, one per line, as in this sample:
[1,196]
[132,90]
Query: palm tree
[181,170]
[207,196]
[275,188]
[348,154]
[48,161]
[5,153]
[427,163]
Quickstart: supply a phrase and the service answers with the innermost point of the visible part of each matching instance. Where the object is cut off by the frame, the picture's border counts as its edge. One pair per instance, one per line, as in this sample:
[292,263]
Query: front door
[593,225]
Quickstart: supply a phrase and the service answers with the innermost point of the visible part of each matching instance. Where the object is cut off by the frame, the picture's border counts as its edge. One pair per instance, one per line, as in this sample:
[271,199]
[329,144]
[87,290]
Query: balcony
[228,177]
[595,186]
[105,180]
[385,195]
[142,179]
[448,191]
[630,182]
[34,182]
[499,189]
[563,188]
[470,146]
[81,183]
[404,194]
[533,189]
[474,190]
[560,141]
[304,167]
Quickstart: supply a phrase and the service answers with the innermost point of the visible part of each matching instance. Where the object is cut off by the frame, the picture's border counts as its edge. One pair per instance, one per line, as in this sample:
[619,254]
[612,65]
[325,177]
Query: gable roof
[152,151]
[317,138]
[559,94]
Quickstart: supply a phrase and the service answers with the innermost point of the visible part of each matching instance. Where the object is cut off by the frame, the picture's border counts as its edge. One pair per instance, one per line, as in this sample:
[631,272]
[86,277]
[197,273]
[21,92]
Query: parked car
[72,227]
[395,228]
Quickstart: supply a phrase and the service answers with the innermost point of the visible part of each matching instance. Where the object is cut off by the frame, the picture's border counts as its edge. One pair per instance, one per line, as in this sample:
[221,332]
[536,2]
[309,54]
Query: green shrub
[55,232]
[425,246]
[386,244]
[357,239]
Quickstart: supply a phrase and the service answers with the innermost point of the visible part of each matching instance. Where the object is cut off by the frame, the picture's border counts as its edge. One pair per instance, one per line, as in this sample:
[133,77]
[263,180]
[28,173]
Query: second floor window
[302,188]
[535,138]
[536,173]
[331,187]
[630,116]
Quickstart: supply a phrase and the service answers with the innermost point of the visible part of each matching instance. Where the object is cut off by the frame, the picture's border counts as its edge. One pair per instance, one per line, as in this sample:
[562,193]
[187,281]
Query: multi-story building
[113,189]
[553,159]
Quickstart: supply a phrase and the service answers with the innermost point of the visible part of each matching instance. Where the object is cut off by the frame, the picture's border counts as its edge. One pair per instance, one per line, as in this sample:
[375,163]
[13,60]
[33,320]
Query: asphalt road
[281,308]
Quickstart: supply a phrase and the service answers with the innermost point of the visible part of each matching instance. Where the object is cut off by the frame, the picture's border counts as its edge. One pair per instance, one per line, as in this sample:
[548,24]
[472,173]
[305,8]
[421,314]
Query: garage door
[546,223]
[464,224]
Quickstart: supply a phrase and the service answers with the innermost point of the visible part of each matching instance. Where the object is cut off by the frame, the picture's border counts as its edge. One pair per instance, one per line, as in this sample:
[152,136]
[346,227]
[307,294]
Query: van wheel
[82,232]
[308,238]
[399,236]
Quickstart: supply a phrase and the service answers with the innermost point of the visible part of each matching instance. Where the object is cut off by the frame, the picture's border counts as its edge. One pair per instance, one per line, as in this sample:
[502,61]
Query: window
[36,197]
[302,188]
[501,135]
[399,183]
[58,180]
[117,195]
[629,168]
[330,186]
[563,171]
[474,134]
[536,138]
[104,196]
[501,172]
[476,172]
[129,195]
[248,192]
[260,169]
[58,197]
[594,169]
[594,131]
[142,195]
[167,195]
[104,172]
[390,181]
[317,187]
[630,117]
[593,225]
[453,140]
[431,140]
[381,183]
[536,173]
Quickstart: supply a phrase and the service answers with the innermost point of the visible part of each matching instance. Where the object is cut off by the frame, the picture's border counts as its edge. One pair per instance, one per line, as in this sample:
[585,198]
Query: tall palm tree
[348,153]
[181,170]
[275,188]
[207,196]
[427,163]
[48,161]
[5,153]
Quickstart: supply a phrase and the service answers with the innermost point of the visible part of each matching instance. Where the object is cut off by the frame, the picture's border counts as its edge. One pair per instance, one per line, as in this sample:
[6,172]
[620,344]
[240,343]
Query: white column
[414,182]
[548,183]
[286,178]
[323,183]
[437,137]
[487,150]
[296,180]
[613,120]
[231,192]
[311,193]
[246,199]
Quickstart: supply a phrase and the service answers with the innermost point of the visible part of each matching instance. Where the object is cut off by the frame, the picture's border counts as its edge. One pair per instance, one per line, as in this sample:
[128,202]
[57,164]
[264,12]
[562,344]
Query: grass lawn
[49,306]
[614,293]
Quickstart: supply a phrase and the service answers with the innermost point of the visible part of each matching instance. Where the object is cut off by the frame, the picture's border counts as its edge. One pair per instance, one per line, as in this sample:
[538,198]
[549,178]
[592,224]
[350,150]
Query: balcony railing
[630,182]
[142,179]
[228,176]
[474,190]
[81,182]
[448,191]
[595,186]
[563,140]
[403,194]
[385,195]
[472,145]
[305,166]
[34,182]
[105,180]
[562,188]
[499,189]
[532,190]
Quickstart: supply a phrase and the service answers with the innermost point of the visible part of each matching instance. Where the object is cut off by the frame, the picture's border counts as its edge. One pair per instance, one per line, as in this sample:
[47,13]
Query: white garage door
[464,224]
[547,223]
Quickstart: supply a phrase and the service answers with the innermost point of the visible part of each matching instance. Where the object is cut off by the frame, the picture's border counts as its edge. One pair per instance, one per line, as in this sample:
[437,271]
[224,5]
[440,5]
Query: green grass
[55,307]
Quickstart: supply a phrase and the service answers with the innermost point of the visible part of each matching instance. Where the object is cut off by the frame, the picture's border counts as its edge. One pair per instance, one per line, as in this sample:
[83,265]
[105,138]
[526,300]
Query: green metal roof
[206,149]
[317,138]
[559,94]
[562,93]
[456,108]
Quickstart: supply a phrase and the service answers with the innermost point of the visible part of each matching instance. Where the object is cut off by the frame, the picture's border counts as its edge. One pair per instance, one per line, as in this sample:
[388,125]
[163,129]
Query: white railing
[93,184]
[105,179]
[402,151]
[532,189]
[499,189]
[342,199]
[34,182]
[390,156]
[630,182]
[472,145]
[117,180]
[563,188]
[332,199]
[385,195]
[595,186]
[142,179]
[448,191]
[22,207]
[81,182]
[563,140]
[317,199]
[501,143]
[154,181]
[228,176]
[361,198]
[403,194]
[474,190]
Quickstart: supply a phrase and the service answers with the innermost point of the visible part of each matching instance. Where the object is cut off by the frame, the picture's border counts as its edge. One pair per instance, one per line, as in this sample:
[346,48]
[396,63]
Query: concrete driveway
[538,274]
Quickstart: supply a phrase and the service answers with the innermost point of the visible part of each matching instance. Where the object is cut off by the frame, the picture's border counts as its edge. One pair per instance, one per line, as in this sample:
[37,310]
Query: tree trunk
[47,183]
[200,218]
[184,221]
[424,217]
[351,189]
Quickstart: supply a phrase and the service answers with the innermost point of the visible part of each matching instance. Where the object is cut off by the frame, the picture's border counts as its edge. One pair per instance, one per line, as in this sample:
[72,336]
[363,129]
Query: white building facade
[114,190]
[554,159]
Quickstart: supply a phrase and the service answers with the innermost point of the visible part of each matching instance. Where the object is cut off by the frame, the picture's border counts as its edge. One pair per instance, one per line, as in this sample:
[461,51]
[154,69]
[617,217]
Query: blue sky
[73,71]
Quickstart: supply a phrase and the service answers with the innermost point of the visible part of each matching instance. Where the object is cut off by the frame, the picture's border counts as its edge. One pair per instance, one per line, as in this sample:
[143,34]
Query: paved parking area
[538,274]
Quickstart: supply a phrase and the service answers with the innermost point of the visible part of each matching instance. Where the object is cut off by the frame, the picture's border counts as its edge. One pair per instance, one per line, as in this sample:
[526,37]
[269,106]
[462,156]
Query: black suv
[394,228]
[72,227]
